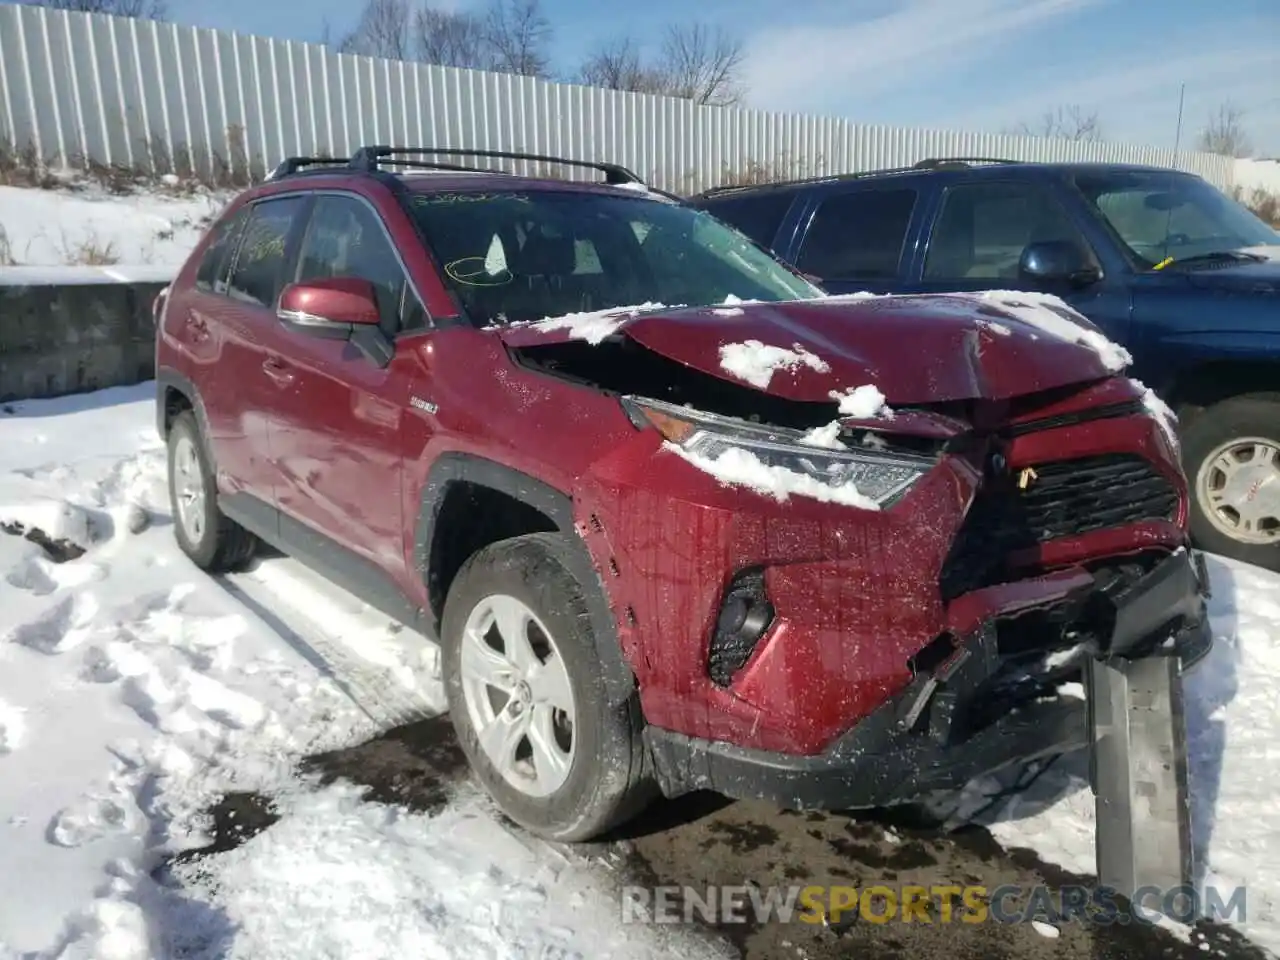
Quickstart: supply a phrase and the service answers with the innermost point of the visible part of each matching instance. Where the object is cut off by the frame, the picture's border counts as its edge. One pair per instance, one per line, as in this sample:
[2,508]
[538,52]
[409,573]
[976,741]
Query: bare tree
[696,63]
[702,65]
[451,39]
[1225,133]
[145,9]
[518,34]
[617,65]
[1063,123]
[382,30]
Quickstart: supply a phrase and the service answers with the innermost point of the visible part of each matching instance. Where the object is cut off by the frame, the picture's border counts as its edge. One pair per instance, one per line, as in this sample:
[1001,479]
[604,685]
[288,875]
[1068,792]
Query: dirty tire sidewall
[1251,416]
[605,779]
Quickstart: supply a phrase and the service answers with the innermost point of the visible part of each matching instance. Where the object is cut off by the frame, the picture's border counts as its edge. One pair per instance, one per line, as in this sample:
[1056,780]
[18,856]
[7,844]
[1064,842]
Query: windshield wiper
[1213,257]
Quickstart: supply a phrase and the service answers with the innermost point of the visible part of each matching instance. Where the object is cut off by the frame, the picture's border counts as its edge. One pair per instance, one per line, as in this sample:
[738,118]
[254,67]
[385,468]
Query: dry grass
[1264,203]
[89,251]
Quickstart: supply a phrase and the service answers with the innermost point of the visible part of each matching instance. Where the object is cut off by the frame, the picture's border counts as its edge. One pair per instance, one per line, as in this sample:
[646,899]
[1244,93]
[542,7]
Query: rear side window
[259,273]
[211,276]
[757,215]
[858,235]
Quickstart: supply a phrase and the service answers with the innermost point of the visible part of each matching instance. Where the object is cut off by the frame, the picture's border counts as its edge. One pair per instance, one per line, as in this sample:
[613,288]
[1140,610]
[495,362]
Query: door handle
[278,371]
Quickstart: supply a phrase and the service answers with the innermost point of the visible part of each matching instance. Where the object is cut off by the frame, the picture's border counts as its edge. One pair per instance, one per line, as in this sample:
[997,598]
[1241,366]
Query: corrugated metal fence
[78,87]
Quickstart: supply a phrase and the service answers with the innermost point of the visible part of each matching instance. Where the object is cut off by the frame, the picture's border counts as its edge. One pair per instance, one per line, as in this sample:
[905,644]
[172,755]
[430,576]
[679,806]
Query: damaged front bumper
[964,717]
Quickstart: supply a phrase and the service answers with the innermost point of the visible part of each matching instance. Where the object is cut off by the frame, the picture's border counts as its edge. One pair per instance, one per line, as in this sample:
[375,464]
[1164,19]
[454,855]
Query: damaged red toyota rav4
[677,519]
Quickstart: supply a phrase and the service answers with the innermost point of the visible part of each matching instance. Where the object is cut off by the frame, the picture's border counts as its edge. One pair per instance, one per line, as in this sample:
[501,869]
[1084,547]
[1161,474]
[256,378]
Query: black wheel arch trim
[169,379]
[553,503]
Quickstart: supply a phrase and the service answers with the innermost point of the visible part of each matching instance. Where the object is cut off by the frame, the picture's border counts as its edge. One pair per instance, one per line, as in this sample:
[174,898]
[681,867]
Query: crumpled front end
[781,646]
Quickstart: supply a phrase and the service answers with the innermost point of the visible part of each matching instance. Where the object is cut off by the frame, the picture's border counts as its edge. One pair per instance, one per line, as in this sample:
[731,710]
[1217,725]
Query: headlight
[880,476]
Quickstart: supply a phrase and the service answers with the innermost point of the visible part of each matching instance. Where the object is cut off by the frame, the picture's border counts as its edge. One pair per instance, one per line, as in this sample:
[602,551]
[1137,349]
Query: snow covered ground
[134,691]
[91,227]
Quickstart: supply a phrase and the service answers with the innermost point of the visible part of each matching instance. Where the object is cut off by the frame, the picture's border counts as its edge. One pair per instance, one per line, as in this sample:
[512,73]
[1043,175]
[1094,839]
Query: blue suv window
[984,227]
[858,235]
[758,215]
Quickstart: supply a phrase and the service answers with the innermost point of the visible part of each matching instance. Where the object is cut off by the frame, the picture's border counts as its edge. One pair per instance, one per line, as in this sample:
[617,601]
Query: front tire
[209,538]
[1231,455]
[527,696]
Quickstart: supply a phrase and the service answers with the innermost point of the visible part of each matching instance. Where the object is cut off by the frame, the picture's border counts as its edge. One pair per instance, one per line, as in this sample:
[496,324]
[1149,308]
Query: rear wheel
[212,540]
[527,697]
[1231,454]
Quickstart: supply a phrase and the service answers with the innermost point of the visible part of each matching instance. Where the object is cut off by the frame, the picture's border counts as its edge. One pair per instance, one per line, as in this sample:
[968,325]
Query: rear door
[336,429]
[977,239]
[237,308]
[855,238]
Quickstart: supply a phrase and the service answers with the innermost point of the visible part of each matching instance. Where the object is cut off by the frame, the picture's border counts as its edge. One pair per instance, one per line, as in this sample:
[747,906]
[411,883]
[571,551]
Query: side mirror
[1058,261]
[331,308]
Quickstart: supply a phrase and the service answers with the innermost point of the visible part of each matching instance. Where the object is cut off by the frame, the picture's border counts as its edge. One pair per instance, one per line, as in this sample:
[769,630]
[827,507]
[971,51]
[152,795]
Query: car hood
[916,350]
[1262,276]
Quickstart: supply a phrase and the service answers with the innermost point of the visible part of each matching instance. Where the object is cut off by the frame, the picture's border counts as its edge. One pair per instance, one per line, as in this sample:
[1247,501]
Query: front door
[977,243]
[336,433]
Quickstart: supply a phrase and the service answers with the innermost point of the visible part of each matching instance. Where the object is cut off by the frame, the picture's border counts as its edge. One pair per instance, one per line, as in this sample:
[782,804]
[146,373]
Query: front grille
[1068,498]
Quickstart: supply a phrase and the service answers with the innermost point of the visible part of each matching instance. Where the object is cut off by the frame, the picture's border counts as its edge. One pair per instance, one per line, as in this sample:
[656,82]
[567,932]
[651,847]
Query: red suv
[678,519]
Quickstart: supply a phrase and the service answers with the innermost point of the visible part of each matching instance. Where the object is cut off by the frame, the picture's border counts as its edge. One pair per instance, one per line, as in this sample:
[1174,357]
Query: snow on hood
[756,362]
[915,349]
[1056,317]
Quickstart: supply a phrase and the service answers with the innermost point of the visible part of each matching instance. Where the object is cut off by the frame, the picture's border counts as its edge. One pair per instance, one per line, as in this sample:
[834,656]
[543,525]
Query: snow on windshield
[757,362]
[742,468]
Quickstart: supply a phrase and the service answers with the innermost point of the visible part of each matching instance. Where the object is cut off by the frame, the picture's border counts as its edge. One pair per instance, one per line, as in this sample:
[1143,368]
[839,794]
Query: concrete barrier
[73,329]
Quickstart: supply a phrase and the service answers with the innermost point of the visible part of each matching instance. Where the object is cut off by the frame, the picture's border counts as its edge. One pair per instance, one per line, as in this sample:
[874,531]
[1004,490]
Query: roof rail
[291,165]
[799,181]
[934,163]
[369,158]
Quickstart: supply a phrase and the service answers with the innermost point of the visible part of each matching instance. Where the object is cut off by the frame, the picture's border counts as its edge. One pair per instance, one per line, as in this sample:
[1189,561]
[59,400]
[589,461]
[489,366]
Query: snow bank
[62,227]
[134,691]
[77,276]
[756,362]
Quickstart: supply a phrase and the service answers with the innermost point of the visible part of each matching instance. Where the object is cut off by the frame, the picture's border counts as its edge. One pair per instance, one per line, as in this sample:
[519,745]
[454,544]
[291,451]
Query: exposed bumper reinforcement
[915,745]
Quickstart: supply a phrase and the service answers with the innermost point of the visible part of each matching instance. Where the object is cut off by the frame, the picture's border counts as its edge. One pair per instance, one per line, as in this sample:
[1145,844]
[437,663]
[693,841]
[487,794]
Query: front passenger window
[984,227]
[347,239]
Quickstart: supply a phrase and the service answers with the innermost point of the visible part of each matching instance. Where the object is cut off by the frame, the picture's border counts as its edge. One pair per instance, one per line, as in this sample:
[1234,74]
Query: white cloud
[817,67]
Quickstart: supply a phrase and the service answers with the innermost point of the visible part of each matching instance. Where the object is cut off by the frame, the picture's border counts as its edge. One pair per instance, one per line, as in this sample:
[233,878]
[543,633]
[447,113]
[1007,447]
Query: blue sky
[949,64]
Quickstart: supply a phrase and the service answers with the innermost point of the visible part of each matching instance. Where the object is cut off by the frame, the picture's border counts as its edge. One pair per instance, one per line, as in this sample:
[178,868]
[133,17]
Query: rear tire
[211,540]
[1235,493]
[527,696]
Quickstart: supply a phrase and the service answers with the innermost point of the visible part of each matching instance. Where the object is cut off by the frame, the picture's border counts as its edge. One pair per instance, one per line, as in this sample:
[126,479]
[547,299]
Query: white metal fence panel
[80,88]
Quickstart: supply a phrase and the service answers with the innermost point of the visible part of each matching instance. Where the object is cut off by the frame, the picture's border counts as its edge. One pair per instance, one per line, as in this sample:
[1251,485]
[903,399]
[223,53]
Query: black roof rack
[292,165]
[932,163]
[369,159]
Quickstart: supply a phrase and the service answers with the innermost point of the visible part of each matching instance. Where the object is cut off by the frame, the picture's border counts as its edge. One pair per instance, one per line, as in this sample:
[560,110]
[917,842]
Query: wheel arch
[1199,387]
[446,534]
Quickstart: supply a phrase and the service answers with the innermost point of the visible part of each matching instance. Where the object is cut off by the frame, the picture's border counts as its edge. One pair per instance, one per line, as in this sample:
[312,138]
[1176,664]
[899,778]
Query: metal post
[1139,771]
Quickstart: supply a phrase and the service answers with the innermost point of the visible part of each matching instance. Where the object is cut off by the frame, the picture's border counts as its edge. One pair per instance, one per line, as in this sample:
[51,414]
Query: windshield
[1161,216]
[524,256]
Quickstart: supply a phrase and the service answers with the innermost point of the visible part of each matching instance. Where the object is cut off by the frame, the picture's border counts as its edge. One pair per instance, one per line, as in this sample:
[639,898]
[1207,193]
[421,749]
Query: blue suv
[1161,261]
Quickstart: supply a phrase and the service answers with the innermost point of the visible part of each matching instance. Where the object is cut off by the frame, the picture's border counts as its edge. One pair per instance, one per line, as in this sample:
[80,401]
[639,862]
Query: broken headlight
[879,475]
